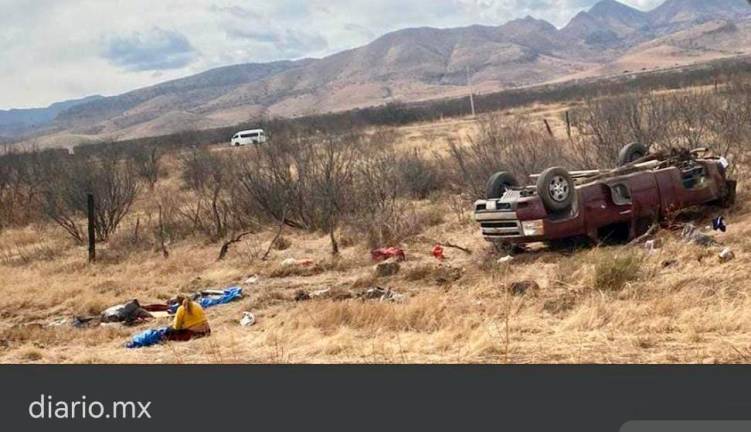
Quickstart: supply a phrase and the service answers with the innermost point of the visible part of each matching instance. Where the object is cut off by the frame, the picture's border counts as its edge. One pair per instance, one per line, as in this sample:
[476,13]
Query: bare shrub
[208,176]
[326,170]
[266,185]
[421,176]
[605,125]
[501,145]
[303,181]
[22,177]
[687,119]
[147,164]
[110,179]
[381,202]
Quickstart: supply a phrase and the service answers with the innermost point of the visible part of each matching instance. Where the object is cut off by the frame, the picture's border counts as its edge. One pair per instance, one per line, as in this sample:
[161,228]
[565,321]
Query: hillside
[22,121]
[421,64]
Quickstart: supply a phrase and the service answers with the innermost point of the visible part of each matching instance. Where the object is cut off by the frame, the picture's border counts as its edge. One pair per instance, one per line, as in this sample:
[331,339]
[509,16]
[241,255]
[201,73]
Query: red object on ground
[156,307]
[438,252]
[383,254]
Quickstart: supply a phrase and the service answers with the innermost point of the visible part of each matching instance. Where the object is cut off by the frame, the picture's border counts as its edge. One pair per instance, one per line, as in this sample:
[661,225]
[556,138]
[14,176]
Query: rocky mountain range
[416,64]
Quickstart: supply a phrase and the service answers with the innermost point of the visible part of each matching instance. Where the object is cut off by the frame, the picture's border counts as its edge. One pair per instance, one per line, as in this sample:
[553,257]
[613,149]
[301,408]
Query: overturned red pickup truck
[603,205]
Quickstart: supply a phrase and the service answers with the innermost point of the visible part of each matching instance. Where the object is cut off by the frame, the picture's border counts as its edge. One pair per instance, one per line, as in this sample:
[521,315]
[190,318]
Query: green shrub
[614,270]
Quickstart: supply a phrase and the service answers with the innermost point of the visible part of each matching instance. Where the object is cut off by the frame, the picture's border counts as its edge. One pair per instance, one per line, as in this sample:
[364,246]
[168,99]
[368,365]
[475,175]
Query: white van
[247,137]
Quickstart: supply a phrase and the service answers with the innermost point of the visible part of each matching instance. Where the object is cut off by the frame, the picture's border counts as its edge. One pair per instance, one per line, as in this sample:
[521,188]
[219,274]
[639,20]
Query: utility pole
[471,94]
[92,232]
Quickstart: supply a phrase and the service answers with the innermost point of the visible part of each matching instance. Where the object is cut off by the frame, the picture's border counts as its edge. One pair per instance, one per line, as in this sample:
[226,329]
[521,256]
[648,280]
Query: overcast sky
[52,50]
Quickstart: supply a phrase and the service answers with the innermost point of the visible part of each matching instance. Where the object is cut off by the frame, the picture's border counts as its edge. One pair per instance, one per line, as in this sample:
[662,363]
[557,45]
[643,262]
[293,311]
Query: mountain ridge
[410,64]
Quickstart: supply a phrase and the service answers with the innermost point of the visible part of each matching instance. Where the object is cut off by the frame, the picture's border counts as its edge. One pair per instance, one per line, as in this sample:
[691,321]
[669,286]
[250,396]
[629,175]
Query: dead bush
[147,163]
[604,125]
[208,176]
[386,216]
[501,145]
[302,181]
[421,177]
[720,120]
[111,180]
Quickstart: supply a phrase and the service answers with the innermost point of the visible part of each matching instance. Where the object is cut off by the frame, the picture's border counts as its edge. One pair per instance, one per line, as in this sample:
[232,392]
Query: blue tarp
[147,338]
[230,294]
[154,336]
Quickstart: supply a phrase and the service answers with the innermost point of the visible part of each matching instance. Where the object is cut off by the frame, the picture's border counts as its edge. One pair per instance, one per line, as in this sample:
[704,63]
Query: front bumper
[499,222]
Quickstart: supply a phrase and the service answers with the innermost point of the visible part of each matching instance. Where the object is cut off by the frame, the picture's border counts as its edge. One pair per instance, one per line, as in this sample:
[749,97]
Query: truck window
[621,194]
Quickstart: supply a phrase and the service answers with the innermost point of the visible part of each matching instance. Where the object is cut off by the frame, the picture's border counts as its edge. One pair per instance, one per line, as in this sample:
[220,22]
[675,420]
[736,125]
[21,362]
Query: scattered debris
[718,224]
[438,252]
[60,322]
[447,274]
[82,322]
[248,319]
[301,295]
[382,294]
[650,232]
[652,245]
[128,313]
[292,262]
[692,234]
[336,294]
[388,268]
[669,263]
[454,246]
[252,280]
[373,293]
[319,293]
[506,259]
[726,255]
[383,254]
[523,287]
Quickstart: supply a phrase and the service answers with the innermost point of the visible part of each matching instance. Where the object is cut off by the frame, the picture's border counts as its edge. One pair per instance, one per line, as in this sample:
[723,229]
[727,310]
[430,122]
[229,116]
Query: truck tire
[498,184]
[631,153]
[556,189]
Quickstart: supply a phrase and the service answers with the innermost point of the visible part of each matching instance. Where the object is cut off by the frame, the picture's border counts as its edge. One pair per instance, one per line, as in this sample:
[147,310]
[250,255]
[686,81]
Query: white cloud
[52,50]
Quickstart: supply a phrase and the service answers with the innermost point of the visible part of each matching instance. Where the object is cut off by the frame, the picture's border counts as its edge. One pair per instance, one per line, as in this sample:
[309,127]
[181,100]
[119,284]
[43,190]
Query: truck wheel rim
[559,189]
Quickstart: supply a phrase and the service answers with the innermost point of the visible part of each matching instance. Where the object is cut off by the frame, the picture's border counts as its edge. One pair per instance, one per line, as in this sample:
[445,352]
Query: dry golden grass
[603,305]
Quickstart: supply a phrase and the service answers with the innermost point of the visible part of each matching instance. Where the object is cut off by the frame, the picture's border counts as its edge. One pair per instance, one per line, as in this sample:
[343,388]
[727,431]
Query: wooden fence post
[92,231]
[547,125]
[568,125]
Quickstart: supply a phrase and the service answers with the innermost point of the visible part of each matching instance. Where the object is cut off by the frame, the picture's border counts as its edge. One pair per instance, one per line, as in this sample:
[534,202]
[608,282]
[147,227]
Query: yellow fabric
[193,319]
